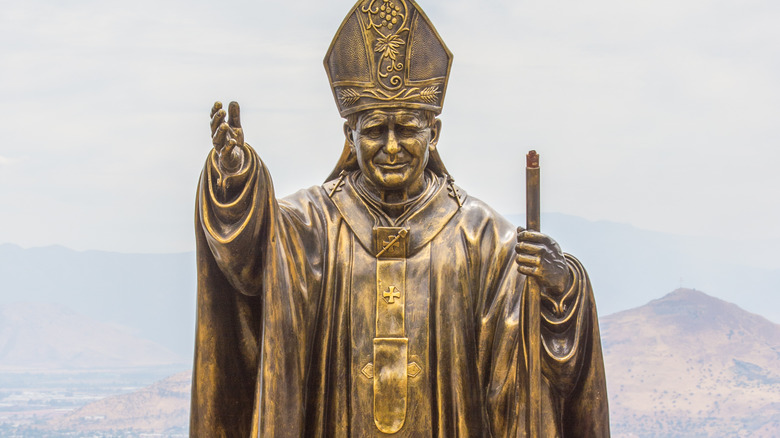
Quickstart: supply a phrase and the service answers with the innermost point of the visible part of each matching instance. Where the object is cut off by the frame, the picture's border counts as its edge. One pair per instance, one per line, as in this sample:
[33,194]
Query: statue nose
[392,146]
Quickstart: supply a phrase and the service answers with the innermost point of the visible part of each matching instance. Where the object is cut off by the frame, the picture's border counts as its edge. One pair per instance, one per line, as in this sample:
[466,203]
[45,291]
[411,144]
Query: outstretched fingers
[226,134]
[235,115]
[217,106]
[216,120]
[236,131]
[220,138]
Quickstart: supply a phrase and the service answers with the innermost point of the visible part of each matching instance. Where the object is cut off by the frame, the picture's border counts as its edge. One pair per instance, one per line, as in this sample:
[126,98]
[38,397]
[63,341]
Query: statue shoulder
[308,199]
[334,185]
[478,208]
[476,213]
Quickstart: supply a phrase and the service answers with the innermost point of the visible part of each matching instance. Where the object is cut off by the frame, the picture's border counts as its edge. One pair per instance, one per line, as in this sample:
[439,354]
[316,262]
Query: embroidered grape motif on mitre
[389,13]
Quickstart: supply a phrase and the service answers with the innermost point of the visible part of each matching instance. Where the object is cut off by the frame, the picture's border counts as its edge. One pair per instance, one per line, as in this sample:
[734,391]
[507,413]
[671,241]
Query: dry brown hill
[48,337]
[162,408]
[689,365]
[686,365]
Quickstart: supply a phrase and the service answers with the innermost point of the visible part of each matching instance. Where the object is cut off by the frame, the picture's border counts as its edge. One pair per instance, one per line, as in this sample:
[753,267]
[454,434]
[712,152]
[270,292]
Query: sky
[663,115]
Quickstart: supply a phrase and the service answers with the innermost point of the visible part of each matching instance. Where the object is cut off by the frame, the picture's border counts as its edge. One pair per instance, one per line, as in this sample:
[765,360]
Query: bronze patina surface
[387,301]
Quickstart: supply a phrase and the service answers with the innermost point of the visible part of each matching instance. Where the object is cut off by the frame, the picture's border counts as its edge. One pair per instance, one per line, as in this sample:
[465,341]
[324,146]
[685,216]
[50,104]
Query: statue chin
[394,180]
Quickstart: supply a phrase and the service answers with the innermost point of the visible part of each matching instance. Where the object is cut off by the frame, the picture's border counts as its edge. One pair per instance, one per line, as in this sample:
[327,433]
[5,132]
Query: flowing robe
[287,316]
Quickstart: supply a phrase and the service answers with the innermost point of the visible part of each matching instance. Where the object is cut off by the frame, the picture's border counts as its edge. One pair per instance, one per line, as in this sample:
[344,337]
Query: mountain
[49,337]
[690,365]
[685,365]
[154,294]
[162,408]
[628,265]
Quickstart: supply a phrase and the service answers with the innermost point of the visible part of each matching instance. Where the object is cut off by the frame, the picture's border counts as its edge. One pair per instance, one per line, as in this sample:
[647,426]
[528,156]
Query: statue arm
[573,362]
[565,327]
[259,271]
[566,306]
[573,386]
[248,232]
[232,208]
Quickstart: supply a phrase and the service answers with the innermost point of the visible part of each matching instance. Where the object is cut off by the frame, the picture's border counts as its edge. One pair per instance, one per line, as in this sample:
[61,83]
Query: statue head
[392,146]
[388,69]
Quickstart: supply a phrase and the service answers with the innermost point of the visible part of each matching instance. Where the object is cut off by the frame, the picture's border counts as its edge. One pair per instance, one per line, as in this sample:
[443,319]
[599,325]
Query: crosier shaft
[533,223]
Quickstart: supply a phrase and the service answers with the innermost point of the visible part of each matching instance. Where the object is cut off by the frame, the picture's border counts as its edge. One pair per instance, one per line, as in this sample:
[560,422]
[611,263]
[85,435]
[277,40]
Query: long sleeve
[573,361]
[573,384]
[564,321]
[236,211]
[580,365]
[259,271]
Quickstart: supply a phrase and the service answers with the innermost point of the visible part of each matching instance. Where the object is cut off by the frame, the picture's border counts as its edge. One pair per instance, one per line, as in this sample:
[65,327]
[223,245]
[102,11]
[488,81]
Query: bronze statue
[386,302]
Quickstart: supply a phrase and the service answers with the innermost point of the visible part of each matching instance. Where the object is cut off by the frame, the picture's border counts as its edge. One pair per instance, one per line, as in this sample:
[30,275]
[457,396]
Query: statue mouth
[393,166]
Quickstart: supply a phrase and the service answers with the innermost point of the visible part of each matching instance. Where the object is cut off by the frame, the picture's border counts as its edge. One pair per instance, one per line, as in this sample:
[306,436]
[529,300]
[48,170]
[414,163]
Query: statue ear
[347,162]
[349,134]
[435,131]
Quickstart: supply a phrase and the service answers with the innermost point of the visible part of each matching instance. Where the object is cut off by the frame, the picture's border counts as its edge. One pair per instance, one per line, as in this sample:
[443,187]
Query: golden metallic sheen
[386,302]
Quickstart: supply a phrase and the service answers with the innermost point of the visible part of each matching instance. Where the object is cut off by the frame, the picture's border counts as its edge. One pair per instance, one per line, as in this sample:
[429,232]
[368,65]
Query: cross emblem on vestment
[391,244]
[455,193]
[391,294]
[339,184]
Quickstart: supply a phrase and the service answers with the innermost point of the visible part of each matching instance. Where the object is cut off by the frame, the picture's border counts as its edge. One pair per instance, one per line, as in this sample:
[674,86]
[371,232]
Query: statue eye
[374,131]
[407,131]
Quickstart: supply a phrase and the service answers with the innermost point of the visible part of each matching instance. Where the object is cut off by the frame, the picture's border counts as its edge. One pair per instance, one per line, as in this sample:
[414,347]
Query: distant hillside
[686,365]
[48,337]
[152,293]
[162,408]
[689,365]
[155,293]
[628,265]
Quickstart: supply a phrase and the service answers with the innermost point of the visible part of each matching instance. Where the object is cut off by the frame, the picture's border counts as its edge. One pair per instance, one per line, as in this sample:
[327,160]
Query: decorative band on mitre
[387,54]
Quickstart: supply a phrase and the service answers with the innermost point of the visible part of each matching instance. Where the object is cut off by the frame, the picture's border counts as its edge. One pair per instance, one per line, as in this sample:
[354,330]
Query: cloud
[5,161]
[636,109]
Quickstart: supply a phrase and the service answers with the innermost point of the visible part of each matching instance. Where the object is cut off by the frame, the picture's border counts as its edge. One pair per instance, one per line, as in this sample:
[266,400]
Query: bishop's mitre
[387,54]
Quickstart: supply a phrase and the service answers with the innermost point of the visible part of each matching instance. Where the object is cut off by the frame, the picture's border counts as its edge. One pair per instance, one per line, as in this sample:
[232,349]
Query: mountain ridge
[689,364]
[153,294]
[38,337]
[683,365]
[161,408]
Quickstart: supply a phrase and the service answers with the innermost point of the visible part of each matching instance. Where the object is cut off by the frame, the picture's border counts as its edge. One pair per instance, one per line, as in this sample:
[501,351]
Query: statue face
[392,146]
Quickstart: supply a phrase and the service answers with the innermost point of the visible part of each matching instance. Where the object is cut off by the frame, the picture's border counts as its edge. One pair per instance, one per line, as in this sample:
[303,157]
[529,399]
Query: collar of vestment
[384,211]
[426,220]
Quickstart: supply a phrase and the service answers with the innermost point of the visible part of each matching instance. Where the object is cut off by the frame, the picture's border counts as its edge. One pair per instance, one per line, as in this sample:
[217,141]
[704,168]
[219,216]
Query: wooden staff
[533,222]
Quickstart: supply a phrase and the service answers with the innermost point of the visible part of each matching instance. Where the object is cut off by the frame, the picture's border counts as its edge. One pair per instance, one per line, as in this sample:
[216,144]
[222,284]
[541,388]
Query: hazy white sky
[660,114]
